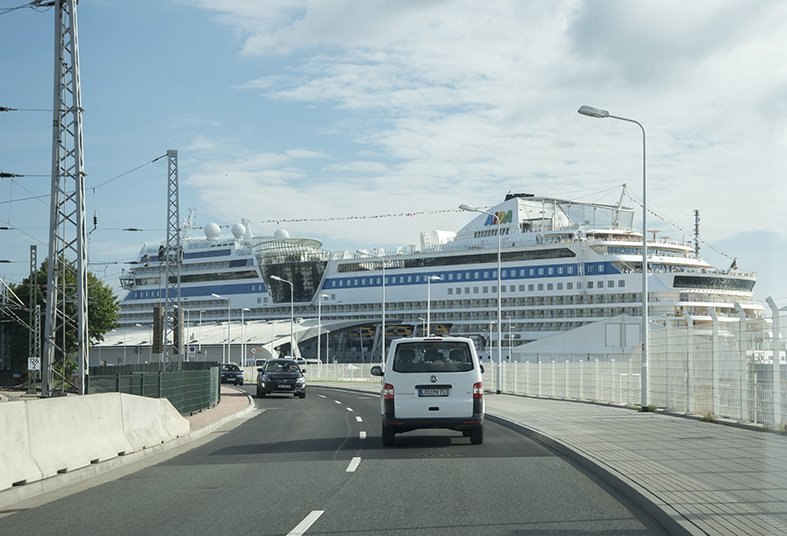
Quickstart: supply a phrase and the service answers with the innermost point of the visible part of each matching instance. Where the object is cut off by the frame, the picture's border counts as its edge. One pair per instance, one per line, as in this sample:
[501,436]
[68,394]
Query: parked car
[231,373]
[432,382]
[281,376]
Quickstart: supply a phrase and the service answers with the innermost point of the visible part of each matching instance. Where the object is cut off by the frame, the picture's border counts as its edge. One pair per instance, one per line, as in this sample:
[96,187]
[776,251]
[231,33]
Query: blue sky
[309,114]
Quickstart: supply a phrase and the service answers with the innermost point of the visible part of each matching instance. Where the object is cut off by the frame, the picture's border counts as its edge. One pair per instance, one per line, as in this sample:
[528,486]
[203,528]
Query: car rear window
[432,357]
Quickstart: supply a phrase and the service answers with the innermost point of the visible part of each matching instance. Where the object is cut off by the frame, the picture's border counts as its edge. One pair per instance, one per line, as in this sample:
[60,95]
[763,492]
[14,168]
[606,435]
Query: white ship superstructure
[564,264]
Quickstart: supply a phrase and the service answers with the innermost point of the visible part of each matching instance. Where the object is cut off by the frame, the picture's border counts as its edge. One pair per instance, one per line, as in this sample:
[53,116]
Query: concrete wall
[45,437]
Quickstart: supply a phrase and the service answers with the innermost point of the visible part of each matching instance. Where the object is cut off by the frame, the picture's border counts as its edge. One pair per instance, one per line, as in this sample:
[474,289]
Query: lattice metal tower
[66,302]
[173,256]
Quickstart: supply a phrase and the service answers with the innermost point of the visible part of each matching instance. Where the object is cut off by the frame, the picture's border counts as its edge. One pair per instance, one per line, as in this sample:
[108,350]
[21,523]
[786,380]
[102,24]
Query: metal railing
[722,370]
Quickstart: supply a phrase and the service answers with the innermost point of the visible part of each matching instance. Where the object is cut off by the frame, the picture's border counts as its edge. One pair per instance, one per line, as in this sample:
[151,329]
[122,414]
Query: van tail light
[478,398]
[478,390]
[388,400]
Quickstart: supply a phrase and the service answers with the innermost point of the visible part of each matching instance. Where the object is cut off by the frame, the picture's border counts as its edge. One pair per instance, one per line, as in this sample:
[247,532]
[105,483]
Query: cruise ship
[563,264]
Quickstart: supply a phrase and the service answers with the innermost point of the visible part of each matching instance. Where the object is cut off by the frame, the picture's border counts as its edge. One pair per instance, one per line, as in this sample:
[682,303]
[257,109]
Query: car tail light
[478,390]
[388,391]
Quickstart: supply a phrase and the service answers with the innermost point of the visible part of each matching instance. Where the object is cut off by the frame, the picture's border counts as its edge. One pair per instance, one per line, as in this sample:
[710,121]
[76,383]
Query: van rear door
[432,379]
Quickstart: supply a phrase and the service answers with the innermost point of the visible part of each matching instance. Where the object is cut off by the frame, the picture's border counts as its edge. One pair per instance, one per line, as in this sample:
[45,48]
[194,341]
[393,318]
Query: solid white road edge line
[307,522]
[354,463]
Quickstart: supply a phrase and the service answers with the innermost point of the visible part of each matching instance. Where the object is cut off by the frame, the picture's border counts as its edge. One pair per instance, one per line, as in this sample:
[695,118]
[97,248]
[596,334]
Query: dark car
[231,373]
[281,376]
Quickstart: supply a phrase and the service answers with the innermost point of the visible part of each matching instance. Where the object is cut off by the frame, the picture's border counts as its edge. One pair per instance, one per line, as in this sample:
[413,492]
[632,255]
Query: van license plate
[432,392]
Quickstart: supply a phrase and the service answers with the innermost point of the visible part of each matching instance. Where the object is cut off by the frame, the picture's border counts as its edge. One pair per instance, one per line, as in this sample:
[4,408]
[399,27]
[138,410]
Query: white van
[432,382]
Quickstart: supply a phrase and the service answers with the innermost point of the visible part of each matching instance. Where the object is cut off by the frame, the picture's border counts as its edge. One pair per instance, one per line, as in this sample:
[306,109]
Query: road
[317,467]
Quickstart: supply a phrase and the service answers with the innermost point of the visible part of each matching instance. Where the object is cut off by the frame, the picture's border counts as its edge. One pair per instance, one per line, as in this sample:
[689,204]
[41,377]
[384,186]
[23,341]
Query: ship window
[467,290]
[521,288]
[560,270]
[540,271]
[569,286]
[530,288]
[531,272]
[610,284]
[486,290]
[621,283]
[560,286]
[600,268]
[486,274]
[363,282]
[475,290]
[549,286]
[550,270]
[450,291]
[409,279]
[467,275]
[590,284]
[569,269]
[541,286]
[451,277]
[505,273]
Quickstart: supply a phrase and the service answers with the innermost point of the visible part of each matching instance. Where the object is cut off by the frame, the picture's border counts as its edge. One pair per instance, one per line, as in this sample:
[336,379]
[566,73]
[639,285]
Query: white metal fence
[726,370]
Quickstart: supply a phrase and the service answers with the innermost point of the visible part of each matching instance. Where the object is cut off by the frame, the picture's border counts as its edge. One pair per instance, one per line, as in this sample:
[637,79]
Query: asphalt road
[317,467]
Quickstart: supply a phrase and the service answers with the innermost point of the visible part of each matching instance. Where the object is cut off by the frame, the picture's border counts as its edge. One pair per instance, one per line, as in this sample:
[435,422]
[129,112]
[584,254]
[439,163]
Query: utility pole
[66,302]
[173,256]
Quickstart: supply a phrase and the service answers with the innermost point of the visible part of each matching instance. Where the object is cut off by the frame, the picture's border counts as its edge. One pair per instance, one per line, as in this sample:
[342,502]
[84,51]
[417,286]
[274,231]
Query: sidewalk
[702,477]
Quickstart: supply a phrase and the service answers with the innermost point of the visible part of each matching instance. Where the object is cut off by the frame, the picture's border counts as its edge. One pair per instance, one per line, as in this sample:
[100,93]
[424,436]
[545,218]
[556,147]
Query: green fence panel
[191,389]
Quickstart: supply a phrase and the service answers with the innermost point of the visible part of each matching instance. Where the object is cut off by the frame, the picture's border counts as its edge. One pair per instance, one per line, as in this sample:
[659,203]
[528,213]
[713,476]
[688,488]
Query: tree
[102,310]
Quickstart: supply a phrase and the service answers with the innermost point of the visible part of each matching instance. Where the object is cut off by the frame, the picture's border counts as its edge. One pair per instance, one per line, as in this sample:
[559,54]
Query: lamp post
[199,342]
[429,280]
[319,325]
[226,359]
[327,344]
[382,264]
[499,296]
[243,337]
[292,312]
[603,114]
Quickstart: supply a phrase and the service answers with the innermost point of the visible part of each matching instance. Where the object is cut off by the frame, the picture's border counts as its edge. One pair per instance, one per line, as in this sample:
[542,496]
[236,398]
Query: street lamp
[229,341]
[499,297]
[319,325]
[243,337]
[429,280]
[603,114]
[292,311]
[382,264]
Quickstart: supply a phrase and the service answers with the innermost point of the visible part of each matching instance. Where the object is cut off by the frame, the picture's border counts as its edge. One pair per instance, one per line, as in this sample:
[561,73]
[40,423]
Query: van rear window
[432,357]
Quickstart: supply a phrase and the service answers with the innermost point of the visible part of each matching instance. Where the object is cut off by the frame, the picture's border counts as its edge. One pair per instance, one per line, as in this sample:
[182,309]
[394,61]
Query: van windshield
[432,357]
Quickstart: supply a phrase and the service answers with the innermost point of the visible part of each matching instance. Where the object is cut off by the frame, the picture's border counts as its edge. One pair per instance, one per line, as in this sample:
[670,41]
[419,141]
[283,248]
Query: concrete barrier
[41,438]
[17,466]
[72,432]
[150,421]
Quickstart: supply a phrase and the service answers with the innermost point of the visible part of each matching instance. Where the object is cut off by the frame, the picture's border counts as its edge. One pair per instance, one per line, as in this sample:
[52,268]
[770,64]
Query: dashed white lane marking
[307,522]
[363,434]
[350,409]
[322,396]
[337,401]
[354,463]
[358,418]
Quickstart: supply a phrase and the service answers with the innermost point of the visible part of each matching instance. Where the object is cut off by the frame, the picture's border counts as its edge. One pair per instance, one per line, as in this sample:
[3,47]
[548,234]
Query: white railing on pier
[720,372]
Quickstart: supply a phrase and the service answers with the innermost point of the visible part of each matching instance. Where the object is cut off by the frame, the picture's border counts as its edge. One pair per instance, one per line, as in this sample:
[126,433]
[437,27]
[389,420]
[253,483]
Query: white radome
[212,231]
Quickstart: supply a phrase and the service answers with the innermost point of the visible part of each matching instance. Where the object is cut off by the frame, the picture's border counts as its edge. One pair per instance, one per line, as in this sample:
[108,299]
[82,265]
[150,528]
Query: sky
[364,122]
